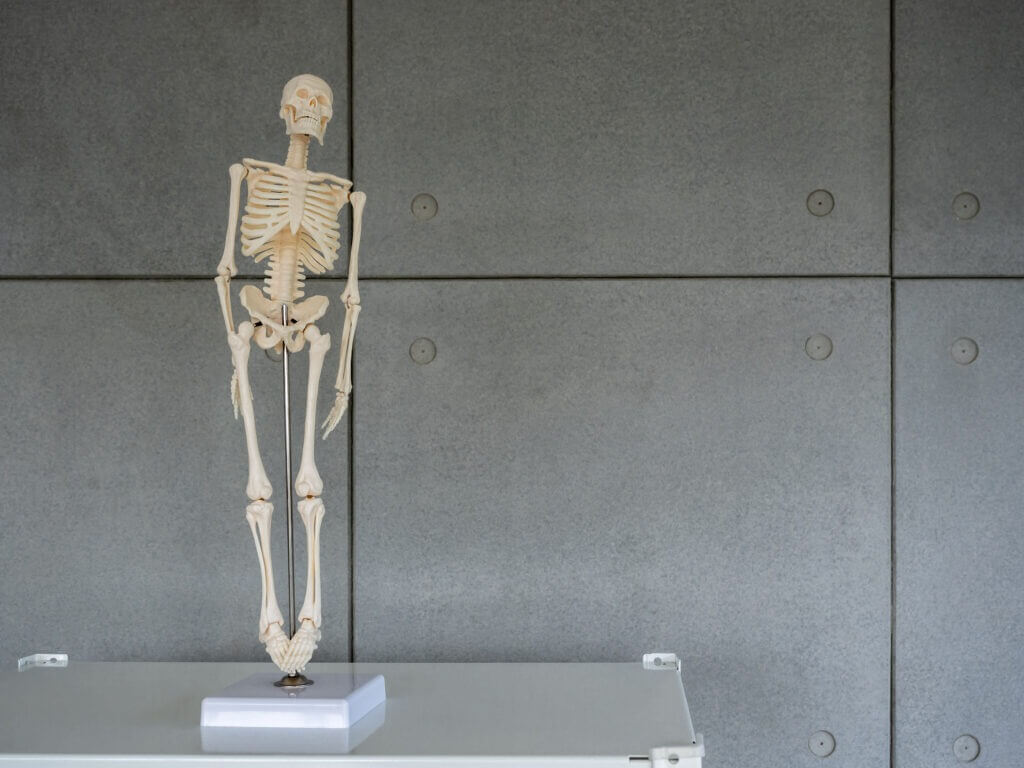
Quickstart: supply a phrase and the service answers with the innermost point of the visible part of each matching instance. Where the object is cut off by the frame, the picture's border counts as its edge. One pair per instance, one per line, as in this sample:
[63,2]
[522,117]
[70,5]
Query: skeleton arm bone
[350,298]
[227,262]
[227,269]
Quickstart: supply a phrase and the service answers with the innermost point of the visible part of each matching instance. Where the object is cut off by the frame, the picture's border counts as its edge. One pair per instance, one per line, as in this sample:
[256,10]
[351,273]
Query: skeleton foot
[300,651]
[277,645]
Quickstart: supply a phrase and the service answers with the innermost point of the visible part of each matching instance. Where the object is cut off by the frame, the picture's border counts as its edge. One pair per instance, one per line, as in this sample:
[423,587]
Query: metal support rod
[294,680]
[288,479]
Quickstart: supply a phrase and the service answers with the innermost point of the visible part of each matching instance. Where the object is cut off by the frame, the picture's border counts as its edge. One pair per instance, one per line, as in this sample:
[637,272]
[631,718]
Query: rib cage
[292,221]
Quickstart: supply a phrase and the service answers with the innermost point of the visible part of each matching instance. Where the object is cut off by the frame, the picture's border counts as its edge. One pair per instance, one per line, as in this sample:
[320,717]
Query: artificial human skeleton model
[291,219]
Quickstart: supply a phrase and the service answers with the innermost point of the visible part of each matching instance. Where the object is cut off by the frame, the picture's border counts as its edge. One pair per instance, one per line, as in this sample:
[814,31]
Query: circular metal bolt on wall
[964,350]
[966,748]
[822,743]
[423,351]
[820,202]
[966,205]
[818,346]
[424,207]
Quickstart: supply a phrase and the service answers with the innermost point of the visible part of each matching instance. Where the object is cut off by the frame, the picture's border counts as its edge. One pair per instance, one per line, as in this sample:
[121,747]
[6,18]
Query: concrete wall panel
[592,470]
[623,138]
[959,531]
[121,119]
[122,496]
[959,89]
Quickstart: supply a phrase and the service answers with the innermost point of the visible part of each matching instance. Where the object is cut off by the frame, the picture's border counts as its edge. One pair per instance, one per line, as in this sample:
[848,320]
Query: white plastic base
[333,701]
[292,741]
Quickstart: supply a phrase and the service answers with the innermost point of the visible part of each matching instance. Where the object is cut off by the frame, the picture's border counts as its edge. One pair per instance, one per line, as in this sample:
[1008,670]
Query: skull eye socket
[302,93]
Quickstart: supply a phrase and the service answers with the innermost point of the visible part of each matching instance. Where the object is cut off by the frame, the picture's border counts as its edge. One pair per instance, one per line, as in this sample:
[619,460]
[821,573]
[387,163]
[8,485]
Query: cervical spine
[298,151]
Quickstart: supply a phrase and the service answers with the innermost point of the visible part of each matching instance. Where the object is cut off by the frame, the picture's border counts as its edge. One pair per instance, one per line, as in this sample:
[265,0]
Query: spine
[284,281]
[298,151]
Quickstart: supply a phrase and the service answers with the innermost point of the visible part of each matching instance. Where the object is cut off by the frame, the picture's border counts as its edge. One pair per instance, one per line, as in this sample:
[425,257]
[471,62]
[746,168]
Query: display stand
[291,741]
[337,701]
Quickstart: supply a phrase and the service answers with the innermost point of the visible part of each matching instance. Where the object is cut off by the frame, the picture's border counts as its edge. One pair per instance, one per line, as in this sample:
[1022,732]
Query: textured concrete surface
[959,530]
[122,495]
[623,138]
[120,120]
[959,97]
[589,471]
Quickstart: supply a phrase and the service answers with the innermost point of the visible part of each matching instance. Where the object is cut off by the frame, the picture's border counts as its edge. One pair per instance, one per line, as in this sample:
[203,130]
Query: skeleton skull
[306,106]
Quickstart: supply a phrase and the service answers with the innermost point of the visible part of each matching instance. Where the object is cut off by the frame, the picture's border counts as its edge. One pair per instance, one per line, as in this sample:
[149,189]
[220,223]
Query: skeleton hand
[334,417]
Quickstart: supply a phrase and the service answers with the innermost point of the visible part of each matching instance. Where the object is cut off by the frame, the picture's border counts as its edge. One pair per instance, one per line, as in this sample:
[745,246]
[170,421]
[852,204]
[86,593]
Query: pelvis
[266,316]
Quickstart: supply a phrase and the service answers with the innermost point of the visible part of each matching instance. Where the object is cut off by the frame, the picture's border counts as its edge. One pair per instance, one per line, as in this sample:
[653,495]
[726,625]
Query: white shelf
[147,714]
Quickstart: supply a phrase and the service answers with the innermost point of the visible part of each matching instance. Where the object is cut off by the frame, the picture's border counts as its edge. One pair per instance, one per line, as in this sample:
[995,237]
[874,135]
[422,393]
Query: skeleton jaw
[307,123]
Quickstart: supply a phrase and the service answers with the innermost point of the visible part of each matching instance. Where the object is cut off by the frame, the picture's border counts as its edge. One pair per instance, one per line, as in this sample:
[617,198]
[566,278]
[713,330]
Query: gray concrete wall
[623,441]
